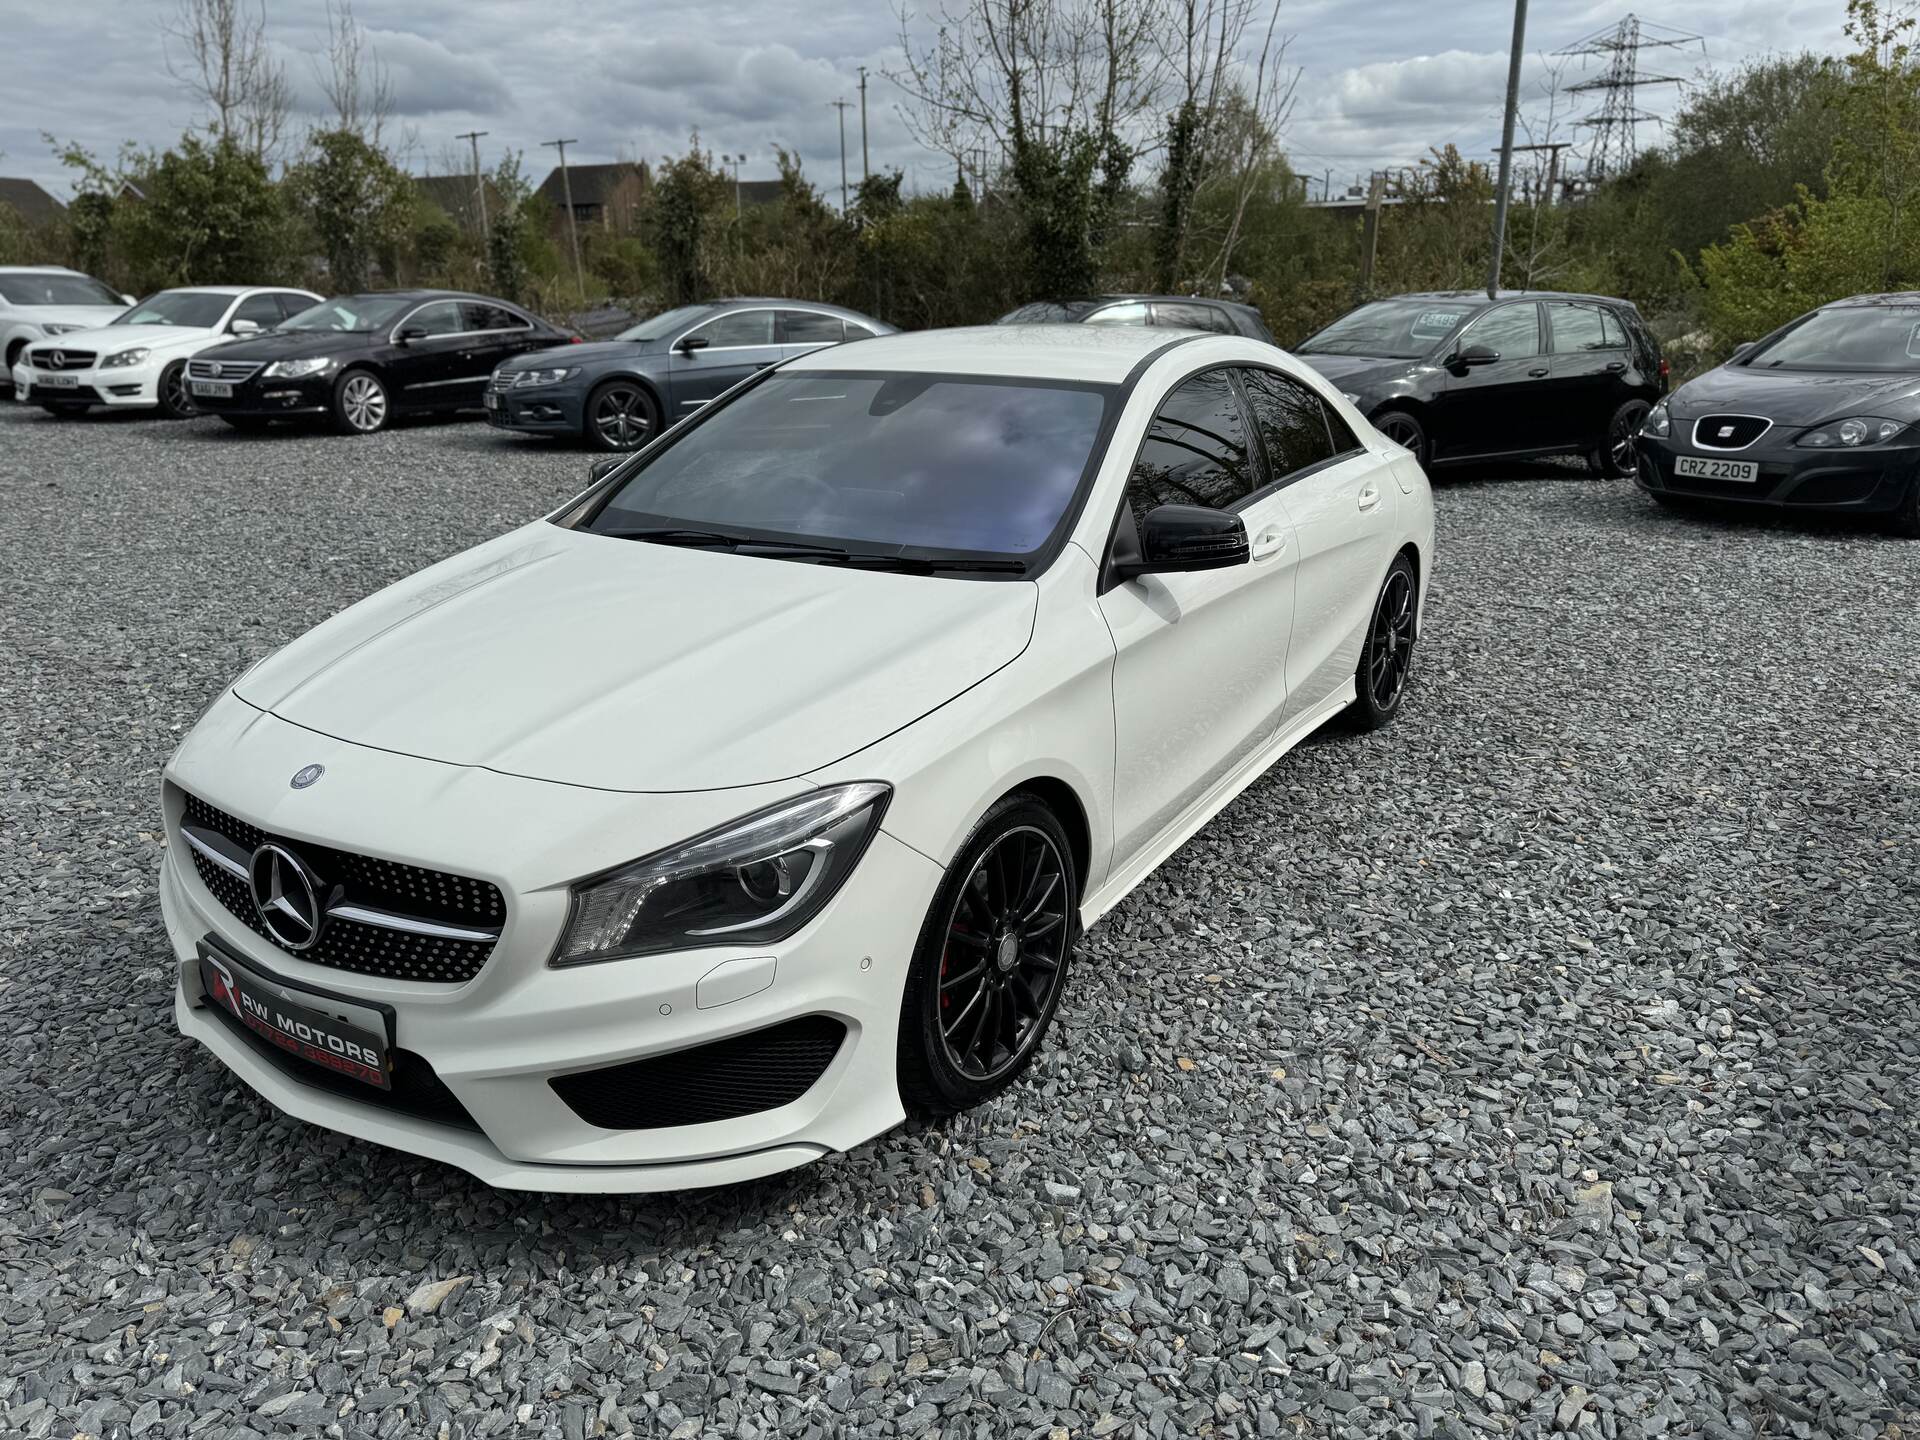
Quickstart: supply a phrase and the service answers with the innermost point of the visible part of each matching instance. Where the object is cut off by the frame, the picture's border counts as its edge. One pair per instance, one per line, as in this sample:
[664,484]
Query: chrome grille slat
[41,358]
[232,371]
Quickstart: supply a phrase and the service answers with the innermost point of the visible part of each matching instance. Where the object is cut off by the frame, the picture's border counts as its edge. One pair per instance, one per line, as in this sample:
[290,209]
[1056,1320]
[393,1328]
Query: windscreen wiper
[926,564]
[681,536]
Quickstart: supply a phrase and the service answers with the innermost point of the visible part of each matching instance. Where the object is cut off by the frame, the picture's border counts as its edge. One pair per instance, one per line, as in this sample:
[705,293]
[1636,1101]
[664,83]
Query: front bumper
[544,410]
[498,1040]
[307,395]
[122,386]
[1868,481]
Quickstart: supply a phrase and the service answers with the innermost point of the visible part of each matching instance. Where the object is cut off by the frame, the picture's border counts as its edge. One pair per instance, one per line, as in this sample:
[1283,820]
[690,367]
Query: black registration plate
[300,1030]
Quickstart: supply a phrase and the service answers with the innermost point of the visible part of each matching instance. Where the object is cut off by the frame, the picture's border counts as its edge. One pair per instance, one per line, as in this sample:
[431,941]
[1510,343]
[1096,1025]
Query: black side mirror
[1740,349]
[411,334]
[600,469]
[1187,537]
[690,343]
[1474,355]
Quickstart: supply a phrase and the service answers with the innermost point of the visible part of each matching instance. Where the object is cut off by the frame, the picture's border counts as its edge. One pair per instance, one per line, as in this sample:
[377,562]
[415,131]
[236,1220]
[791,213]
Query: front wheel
[991,963]
[621,416]
[1386,657]
[1405,431]
[176,401]
[1617,456]
[360,404]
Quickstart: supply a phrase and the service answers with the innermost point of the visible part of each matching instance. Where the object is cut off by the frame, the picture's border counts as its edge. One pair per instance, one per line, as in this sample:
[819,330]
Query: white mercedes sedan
[758,797]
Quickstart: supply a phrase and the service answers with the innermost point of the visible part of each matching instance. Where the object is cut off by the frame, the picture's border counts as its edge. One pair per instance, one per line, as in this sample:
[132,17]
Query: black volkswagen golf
[360,360]
[1823,415]
[1455,375]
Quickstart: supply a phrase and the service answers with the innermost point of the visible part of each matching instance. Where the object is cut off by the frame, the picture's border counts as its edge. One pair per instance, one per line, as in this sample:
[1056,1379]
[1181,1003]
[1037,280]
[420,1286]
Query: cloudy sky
[1380,82]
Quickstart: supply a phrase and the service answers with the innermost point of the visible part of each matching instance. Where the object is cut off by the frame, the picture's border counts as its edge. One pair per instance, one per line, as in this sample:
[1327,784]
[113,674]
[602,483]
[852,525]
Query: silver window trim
[773,310]
[393,335]
[1698,444]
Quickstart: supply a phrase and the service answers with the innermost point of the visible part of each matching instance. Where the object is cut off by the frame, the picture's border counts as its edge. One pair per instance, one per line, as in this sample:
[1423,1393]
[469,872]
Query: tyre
[1405,431]
[1616,457]
[247,424]
[1906,520]
[991,963]
[621,415]
[176,401]
[361,405]
[1386,656]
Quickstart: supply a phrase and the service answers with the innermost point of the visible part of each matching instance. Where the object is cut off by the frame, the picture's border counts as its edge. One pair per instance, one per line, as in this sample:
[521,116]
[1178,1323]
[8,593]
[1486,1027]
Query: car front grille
[52,357]
[741,1075]
[502,380]
[422,925]
[231,371]
[1729,432]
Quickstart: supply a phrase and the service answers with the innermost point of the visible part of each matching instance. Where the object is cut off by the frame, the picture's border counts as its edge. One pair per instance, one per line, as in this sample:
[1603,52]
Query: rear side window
[480,316]
[1577,328]
[1197,450]
[803,327]
[291,304]
[262,310]
[1291,421]
[1616,332]
[1134,312]
[1191,317]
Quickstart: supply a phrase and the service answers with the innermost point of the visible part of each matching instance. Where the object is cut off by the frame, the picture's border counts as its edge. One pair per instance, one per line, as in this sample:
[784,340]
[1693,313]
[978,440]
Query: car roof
[1863,302]
[1481,296]
[228,289]
[37,270]
[738,301]
[1100,354]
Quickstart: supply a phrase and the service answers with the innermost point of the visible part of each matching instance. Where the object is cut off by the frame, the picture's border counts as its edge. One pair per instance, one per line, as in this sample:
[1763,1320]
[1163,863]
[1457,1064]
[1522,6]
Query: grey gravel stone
[1584,992]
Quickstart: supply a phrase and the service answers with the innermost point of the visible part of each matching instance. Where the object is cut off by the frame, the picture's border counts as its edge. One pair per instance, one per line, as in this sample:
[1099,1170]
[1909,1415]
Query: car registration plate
[56,382]
[1700,468]
[301,1030]
[213,389]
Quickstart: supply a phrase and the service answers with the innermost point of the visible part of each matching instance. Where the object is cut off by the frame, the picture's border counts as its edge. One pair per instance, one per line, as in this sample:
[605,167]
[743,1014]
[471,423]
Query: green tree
[690,200]
[356,202]
[207,213]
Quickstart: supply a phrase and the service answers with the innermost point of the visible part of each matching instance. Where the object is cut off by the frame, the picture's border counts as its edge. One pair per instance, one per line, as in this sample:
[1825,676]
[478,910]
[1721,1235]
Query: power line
[1614,141]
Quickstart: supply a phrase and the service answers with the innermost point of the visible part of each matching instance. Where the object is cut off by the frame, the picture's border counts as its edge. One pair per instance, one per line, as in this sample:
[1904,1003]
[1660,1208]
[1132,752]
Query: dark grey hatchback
[620,393]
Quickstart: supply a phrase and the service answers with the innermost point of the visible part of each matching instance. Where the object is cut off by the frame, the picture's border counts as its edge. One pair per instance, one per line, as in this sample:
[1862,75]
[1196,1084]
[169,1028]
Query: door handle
[1369,495]
[1614,367]
[1267,544]
[1539,374]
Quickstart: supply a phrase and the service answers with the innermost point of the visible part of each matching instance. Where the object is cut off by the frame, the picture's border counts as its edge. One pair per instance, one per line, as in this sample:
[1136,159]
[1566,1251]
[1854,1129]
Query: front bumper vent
[724,1080]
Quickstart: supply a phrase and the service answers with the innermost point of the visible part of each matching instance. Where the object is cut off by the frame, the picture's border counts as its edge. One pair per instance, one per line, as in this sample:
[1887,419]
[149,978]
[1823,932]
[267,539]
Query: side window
[292,303]
[1133,312]
[1291,421]
[1616,332]
[1196,450]
[1576,327]
[262,310]
[1191,317]
[742,327]
[804,327]
[1345,442]
[440,319]
[856,331]
[1512,331]
[478,315]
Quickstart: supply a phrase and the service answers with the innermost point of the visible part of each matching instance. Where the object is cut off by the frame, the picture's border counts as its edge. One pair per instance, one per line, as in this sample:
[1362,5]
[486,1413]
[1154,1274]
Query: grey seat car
[620,393]
[1179,312]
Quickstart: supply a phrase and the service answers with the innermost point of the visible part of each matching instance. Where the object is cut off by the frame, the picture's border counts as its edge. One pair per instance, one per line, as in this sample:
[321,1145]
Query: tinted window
[1291,421]
[1134,312]
[894,462]
[292,303]
[441,319]
[1511,331]
[1196,451]
[1576,327]
[478,315]
[262,310]
[1391,329]
[195,308]
[1048,312]
[803,327]
[360,314]
[1190,317]
[1616,332]
[31,289]
[742,327]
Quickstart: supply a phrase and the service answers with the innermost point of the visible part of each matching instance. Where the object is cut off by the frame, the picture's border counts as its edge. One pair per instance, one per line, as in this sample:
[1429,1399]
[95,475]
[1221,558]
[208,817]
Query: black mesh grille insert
[741,1075]
[416,1091]
[380,884]
[1729,432]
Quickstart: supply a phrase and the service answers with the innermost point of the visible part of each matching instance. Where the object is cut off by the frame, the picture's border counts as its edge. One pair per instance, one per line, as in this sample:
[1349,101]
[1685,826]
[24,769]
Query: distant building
[613,195]
[32,204]
[459,199]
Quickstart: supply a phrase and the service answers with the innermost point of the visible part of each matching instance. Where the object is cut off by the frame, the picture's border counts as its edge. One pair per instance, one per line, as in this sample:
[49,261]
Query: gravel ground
[1543,1063]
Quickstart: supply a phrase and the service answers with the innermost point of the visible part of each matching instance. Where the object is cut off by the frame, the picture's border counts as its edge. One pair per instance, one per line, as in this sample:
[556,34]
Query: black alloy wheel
[1618,456]
[992,961]
[1386,659]
[176,401]
[621,416]
[1405,431]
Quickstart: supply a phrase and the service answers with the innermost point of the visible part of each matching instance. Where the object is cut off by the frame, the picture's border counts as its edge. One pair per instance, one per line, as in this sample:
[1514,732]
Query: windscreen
[1876,338]
[909,463]
[1391,329]
[1047,312]
[354,314]
[194,308]
[667,323]
[55,289]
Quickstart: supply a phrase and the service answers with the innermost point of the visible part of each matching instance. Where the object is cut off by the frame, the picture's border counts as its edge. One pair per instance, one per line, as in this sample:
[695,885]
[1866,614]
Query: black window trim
[1546,321]
[1275,486]
[1542,328]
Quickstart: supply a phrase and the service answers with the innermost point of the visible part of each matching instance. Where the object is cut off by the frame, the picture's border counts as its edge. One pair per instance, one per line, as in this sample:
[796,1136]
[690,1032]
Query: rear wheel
[1386,657]
[360,404]
[1616,457]
[176,402]
[621,415]
[1405,431]
[991,964]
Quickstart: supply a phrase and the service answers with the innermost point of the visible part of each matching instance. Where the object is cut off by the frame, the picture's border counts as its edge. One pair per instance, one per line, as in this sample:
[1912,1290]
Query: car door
[712,358]
[1342,499]
[1497,407]
[799,331]
[495,333]
[1590,360]
[1199,676]
[427,368]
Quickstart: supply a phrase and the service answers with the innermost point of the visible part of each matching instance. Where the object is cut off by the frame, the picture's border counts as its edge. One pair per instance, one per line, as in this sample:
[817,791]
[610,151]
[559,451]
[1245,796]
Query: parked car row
[1819,415]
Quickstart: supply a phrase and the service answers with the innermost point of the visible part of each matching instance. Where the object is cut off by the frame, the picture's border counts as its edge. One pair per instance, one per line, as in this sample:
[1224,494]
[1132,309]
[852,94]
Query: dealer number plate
[297,1029]
[1700,468]
[213,389]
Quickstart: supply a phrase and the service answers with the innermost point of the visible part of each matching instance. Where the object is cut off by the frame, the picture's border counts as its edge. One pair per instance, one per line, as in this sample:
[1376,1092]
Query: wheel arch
[1061,798]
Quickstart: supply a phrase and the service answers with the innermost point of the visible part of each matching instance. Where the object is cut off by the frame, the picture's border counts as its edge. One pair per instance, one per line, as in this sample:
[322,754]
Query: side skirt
[1151,855]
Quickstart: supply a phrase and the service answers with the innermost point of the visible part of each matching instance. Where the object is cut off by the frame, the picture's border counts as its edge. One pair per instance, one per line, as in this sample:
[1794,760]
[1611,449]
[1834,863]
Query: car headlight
[750,882]
[125,357]
[522,379]
[1855,431]
[55,327]
[294,369]
[1659,422]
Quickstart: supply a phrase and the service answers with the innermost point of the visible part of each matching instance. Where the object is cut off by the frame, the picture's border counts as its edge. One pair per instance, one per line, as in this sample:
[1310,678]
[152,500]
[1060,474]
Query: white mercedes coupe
[757,798]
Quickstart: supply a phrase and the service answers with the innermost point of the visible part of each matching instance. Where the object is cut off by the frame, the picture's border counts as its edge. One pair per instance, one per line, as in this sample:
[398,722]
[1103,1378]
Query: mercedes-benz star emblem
[59,359]
[306,775]
[286,894]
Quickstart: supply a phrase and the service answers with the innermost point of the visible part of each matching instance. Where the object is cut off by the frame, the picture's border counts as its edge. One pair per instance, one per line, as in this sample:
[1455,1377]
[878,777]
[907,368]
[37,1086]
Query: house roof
[455,195]
[590,184]
[29,201]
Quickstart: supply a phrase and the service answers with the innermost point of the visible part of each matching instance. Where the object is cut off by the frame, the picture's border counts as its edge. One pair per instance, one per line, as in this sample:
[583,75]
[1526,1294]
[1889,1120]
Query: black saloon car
[1821,416]
[360,360]
[1457,376]
[617,394]
[1179,312]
